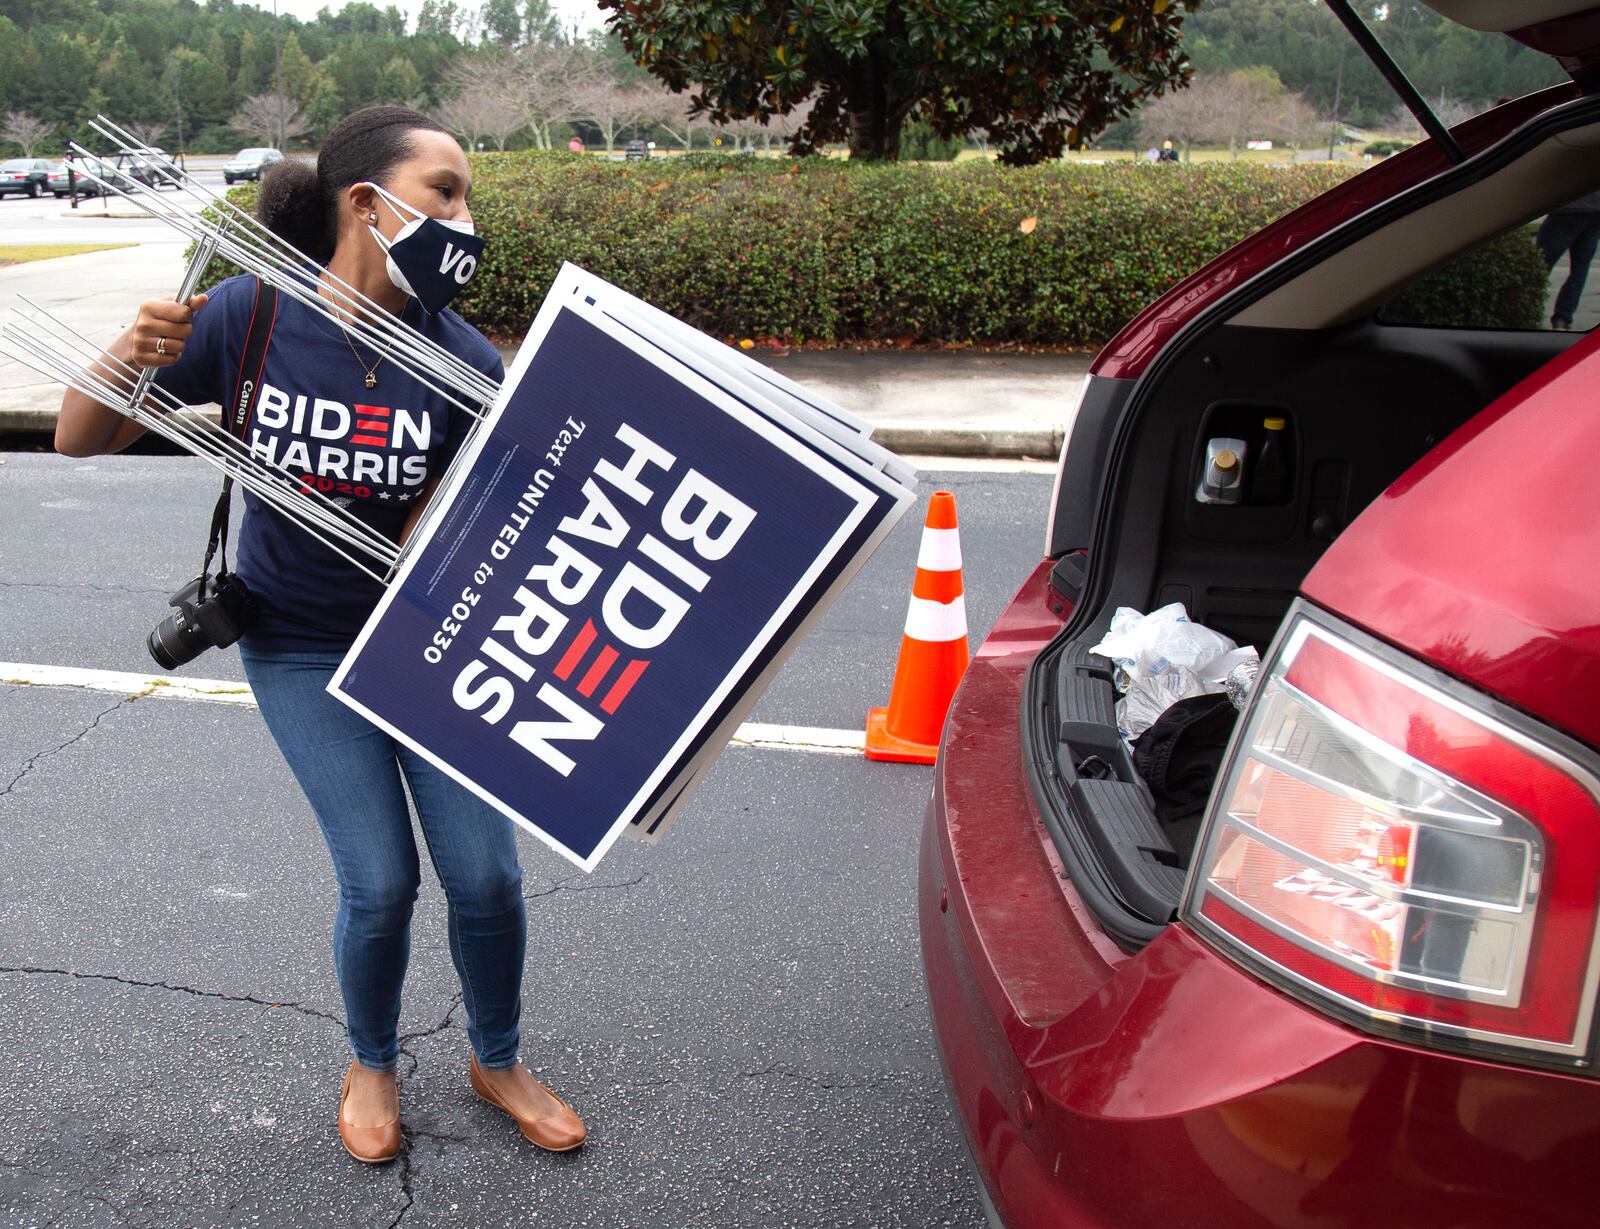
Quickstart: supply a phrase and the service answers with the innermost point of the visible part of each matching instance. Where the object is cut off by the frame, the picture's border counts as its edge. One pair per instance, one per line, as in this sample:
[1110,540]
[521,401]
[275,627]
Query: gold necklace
[372,372]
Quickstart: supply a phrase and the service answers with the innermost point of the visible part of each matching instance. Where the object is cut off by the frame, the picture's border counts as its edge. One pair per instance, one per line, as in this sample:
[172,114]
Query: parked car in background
[249,164]
[60,183]
[25,176]
[83,168]
[635,149]
[1351,979]
[137,168]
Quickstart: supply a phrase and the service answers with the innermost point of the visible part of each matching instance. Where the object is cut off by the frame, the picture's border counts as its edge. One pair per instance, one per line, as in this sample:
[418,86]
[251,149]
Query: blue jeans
[1574,235]
[351,773]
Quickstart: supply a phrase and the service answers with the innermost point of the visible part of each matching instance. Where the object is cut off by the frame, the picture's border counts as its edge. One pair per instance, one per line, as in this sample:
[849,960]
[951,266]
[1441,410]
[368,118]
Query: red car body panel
[1481,558]
[1171,1087]
[1142,338]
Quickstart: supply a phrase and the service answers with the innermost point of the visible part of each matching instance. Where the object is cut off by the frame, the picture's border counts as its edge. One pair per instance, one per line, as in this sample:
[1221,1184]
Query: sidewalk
[941,403]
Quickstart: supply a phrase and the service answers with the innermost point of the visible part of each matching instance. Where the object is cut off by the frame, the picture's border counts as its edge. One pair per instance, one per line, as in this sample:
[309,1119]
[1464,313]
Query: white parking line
[815,739]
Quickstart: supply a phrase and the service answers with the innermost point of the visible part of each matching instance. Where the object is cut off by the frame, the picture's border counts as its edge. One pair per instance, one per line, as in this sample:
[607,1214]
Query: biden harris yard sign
[616,554]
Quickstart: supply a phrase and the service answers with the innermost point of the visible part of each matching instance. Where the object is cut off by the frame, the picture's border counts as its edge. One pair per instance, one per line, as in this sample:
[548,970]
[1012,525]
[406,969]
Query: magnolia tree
[1034,81]
[26,130]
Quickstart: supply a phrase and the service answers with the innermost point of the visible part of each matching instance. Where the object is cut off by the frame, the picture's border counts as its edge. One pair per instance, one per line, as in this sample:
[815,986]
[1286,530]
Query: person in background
[575,146]
[1167,154]
[1574,231]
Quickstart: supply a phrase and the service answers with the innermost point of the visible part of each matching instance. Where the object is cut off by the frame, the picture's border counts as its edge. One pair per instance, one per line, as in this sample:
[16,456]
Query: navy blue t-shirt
[371,450]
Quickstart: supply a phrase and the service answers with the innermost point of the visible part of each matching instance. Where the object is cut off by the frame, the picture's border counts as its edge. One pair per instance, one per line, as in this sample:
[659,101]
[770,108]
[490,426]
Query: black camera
[203,621]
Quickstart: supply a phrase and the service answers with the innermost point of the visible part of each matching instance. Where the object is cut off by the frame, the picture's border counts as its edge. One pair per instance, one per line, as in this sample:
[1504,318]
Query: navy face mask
[430,259]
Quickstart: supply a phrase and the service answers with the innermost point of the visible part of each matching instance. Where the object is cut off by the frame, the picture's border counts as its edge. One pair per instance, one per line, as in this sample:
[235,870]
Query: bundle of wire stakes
[217,227]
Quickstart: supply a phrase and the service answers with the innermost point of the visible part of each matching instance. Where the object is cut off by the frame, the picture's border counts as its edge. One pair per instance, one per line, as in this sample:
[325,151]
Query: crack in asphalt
[24,1167]
[829,1084]
[28,766]
[407,1134]
[59,585]
[432,1030]
[575,884]
[301,1008]
[405,1177]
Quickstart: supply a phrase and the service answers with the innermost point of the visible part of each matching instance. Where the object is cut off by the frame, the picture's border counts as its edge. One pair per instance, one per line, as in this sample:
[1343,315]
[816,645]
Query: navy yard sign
[618,553]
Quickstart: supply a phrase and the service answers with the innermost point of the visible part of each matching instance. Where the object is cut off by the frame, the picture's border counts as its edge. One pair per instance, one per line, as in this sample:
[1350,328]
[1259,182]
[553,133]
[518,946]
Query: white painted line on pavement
[219,691]
[800,738]
[814,739]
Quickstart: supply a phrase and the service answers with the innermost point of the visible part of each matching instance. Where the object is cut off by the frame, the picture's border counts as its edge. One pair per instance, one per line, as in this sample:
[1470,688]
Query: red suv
[1357,986]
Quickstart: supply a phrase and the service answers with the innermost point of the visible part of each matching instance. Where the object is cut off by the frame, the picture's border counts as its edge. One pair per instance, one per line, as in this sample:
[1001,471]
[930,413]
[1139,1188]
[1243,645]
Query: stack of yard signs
[631,544]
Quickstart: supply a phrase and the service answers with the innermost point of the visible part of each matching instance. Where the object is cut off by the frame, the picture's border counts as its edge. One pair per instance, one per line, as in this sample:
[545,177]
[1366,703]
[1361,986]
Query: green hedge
[821,250]
[1496,285]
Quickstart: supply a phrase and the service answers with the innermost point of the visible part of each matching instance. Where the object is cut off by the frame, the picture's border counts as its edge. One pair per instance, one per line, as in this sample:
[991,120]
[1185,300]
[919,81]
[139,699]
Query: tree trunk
[875,118]
[874,136]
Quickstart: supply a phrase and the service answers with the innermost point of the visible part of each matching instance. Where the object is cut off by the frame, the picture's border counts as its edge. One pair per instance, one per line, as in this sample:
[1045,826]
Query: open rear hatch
[1360,397]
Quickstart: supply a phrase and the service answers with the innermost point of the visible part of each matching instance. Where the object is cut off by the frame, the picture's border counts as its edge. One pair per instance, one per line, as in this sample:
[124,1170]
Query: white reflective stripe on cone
[936,621]
[940,551]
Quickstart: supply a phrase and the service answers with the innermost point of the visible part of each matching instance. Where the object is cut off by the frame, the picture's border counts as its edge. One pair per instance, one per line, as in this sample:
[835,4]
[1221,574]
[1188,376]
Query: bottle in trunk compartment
[1269,477]
[1222,479]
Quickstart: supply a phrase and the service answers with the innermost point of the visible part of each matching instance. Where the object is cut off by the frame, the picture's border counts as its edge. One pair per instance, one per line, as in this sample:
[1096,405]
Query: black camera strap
[240,412]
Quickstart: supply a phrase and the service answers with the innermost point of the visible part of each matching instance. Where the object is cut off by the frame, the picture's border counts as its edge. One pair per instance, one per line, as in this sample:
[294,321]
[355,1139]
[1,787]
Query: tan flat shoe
[374,1145]
[559,1132]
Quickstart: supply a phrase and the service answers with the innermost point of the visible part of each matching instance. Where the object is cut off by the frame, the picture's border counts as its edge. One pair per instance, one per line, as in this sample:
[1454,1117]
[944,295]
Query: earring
[372,217]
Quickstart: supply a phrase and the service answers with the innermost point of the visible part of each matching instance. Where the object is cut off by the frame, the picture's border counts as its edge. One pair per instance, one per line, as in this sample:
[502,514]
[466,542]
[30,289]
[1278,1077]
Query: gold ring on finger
[161,346]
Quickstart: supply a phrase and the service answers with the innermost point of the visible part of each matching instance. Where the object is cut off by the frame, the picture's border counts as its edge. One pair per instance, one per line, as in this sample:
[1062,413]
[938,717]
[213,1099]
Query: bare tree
[611,107]
[783,127]
[552,77]
[1451,111]
[147,134]
[1183,117]
[487,100]
[1246,103]
[268,115]
[1230,109]
[1296,123]
[26,130]
[671,112]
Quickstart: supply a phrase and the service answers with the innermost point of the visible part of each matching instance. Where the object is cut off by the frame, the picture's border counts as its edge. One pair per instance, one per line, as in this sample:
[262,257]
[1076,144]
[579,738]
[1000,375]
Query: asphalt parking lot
[738,1013]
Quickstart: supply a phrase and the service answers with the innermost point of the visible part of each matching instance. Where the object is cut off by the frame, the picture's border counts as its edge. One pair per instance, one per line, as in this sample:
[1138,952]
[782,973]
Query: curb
[911,439]
[45,420]
[938,440]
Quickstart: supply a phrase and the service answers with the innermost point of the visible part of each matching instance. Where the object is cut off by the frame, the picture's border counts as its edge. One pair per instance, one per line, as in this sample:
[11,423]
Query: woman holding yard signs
[386,204]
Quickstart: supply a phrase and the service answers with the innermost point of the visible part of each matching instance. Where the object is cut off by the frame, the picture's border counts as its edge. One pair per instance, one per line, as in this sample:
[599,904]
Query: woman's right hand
[156,338]
[159,331]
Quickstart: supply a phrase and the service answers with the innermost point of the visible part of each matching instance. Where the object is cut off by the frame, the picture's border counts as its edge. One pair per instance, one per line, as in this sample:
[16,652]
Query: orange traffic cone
[933,651]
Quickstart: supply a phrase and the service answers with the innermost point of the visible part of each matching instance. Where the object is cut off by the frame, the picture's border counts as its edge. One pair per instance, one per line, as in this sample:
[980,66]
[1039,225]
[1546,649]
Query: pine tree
[399,84]
[299,73]
[325,111]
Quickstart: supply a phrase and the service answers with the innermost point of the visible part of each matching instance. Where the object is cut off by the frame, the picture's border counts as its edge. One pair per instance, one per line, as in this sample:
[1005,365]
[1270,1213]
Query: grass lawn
[21,253]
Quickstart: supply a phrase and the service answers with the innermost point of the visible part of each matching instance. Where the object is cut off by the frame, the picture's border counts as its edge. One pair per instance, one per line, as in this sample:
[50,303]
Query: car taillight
[1404,851]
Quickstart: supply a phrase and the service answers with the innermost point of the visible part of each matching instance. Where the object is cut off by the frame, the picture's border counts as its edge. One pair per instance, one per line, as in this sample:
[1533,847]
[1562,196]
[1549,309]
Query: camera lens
[175,641]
